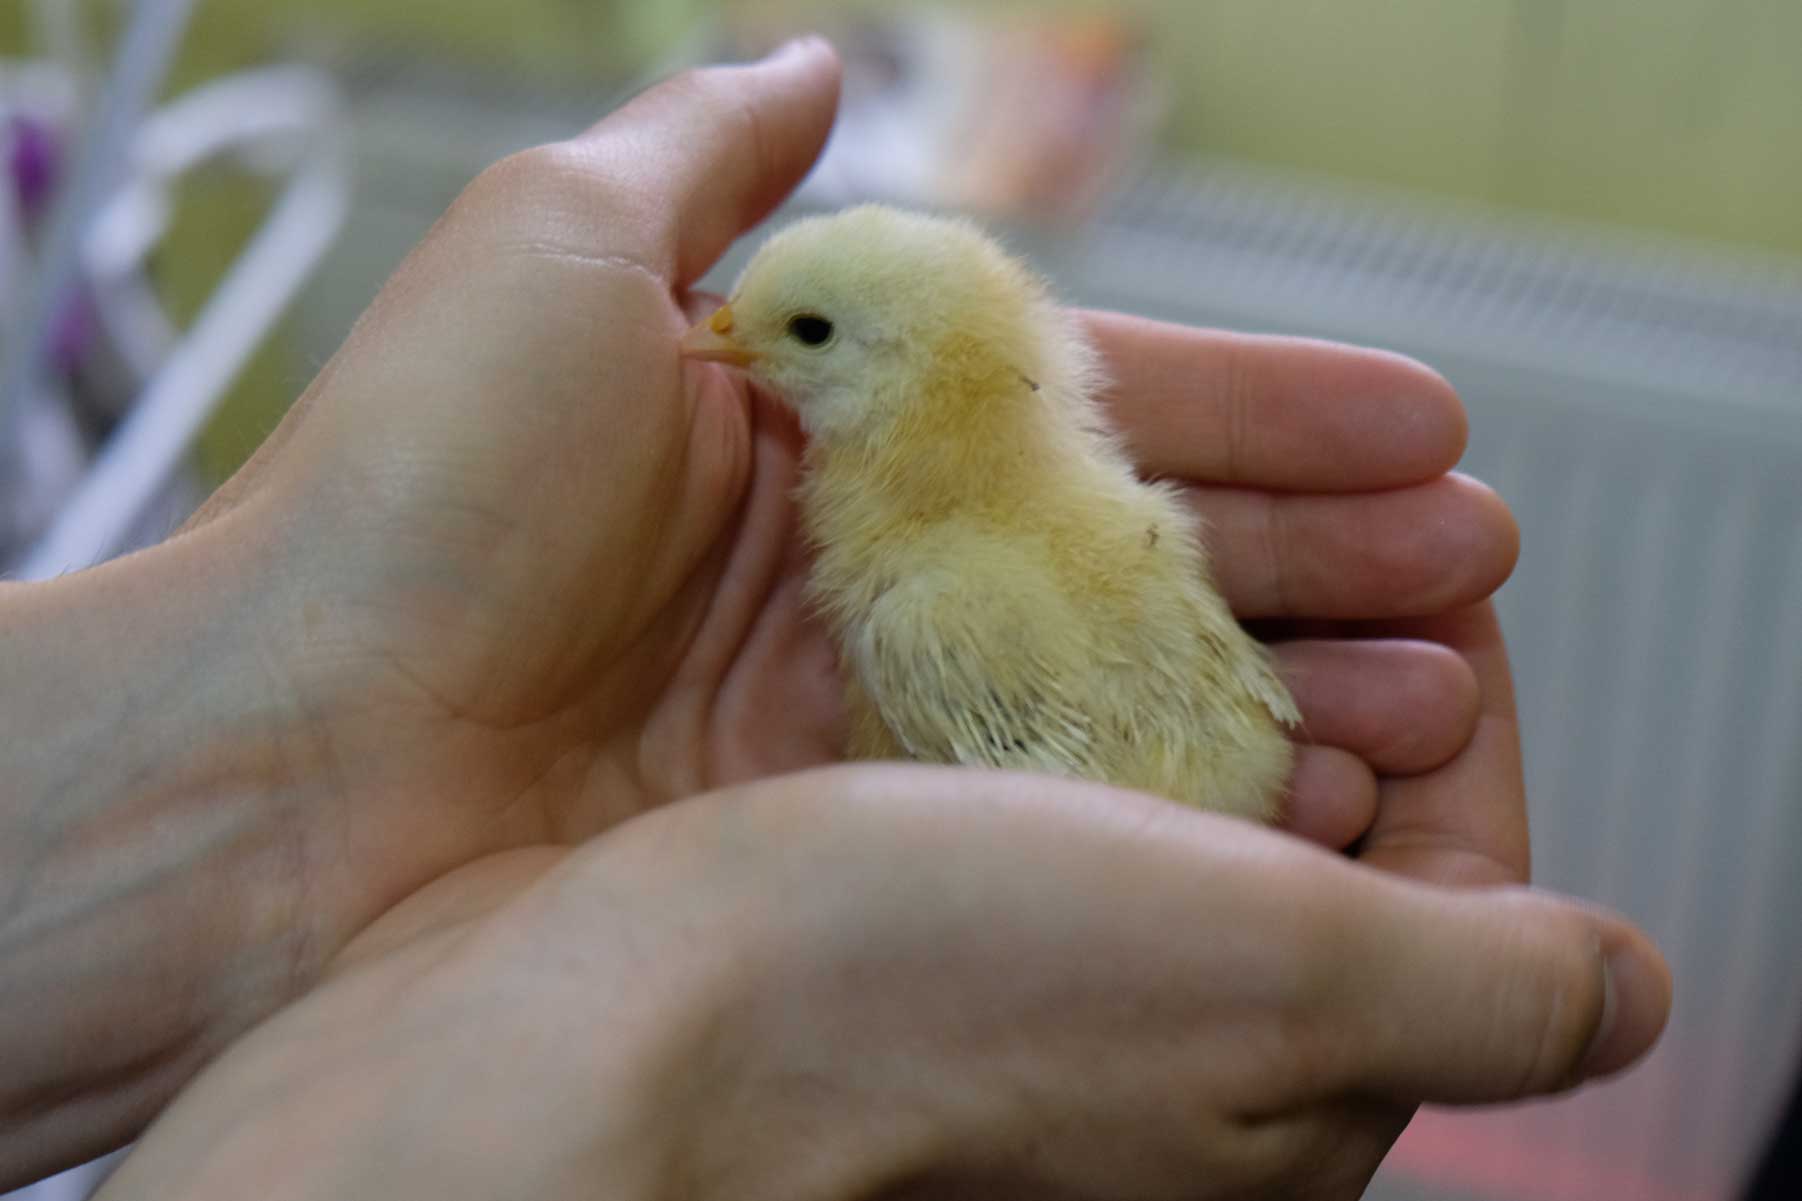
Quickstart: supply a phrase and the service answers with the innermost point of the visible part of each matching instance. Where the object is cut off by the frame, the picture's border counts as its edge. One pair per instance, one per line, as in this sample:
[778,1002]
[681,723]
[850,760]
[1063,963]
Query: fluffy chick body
[1003,588]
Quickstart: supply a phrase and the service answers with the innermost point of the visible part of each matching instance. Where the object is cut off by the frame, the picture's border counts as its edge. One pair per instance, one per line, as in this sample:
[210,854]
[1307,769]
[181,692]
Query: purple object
[35,163]
[72,334]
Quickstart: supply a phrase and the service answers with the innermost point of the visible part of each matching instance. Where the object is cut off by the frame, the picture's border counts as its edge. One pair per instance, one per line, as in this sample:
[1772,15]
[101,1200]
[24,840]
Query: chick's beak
[712,341]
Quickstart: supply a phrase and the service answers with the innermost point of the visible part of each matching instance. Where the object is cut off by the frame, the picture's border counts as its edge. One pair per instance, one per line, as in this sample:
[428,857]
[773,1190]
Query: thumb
[1496,995]
[715,149]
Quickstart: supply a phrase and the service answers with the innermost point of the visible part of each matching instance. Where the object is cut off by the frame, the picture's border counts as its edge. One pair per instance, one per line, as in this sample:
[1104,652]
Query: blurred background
[1586,213]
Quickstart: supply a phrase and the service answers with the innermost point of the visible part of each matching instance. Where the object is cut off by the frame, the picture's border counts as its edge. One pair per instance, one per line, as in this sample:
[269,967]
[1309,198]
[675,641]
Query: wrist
[531,1025]
[154,838]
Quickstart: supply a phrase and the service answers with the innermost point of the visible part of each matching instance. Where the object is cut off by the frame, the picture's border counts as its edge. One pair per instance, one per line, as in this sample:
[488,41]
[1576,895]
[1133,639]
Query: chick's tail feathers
[1267,687]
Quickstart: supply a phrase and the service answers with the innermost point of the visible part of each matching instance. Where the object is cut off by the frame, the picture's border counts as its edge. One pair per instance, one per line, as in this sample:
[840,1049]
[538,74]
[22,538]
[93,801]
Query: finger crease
[1238,415]
[562,253]
[1272,538]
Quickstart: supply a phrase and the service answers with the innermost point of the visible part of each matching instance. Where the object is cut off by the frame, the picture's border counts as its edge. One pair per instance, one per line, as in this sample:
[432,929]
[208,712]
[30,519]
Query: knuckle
[552,175]
[1565,1003]
[560,196]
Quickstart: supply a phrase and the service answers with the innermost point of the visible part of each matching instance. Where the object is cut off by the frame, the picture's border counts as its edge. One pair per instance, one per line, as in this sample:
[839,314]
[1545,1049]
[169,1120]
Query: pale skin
[461,728]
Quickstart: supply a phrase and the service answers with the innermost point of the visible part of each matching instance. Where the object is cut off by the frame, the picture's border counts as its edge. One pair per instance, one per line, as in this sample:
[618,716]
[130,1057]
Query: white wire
[138,71]
[48,451]
[269,115]
[15,262]
[149,443]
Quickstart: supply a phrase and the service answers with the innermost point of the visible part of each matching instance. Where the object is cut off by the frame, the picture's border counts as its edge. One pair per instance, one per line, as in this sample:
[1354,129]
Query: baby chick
[1003,589]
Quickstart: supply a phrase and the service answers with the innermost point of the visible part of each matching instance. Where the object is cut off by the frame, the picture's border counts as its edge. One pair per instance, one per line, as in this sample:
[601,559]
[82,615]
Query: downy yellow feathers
[1003,589]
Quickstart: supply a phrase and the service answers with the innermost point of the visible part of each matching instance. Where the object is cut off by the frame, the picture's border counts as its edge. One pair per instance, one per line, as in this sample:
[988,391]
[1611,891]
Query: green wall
[1679,115]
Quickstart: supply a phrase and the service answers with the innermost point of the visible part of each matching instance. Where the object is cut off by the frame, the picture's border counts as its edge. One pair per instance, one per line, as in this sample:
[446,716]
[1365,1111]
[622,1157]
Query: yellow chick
[1004,590]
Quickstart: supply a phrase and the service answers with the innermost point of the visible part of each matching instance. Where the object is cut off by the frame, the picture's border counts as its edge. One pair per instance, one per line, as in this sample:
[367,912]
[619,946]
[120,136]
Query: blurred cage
[102,390]
[1638,401]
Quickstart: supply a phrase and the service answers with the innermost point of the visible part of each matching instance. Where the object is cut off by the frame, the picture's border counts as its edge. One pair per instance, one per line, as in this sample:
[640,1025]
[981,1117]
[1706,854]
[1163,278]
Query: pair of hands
[520,578]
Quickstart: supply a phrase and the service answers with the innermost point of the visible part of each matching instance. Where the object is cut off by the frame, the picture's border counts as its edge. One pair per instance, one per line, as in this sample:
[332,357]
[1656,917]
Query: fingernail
[1635,1003]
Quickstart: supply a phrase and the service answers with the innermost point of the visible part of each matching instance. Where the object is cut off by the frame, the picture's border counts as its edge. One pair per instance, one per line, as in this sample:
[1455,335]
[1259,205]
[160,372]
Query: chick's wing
[970,669]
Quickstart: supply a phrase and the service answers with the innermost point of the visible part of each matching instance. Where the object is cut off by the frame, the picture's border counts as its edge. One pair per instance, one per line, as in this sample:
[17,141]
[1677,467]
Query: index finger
[1275,412]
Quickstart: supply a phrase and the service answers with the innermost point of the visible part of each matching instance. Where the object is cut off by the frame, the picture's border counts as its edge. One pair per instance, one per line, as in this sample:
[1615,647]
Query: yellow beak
[711,341]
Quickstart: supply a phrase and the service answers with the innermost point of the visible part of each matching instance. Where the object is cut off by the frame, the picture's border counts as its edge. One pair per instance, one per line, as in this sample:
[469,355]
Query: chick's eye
[810,329]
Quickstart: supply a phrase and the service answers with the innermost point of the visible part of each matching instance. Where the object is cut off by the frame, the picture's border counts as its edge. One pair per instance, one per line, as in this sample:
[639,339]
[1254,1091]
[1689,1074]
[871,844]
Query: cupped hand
[900,981]
[524,573]
[511,574]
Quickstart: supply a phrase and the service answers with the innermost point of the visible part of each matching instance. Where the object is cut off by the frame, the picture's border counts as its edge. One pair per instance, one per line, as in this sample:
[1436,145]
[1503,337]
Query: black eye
[810,329]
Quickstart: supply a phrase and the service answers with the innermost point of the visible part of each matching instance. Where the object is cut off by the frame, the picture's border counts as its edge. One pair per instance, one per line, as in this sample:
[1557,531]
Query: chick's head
[850,317]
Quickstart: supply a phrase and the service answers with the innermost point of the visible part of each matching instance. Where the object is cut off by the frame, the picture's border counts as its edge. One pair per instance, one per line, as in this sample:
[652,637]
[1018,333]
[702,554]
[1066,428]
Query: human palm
[544,575]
